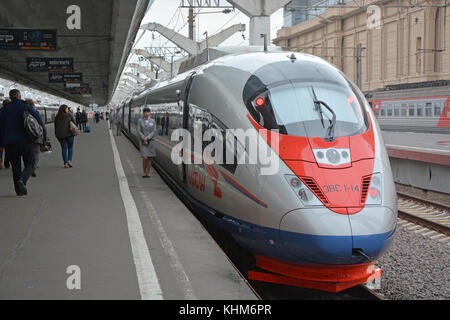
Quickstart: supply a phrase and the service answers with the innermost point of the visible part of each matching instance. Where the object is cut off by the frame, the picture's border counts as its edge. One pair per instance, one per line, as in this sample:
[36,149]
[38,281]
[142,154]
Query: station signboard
[50,65]
[58,77]
[28,39]
[82,89]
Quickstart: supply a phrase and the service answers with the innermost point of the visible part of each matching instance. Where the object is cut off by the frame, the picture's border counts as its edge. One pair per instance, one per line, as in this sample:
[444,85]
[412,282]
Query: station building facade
[410,46]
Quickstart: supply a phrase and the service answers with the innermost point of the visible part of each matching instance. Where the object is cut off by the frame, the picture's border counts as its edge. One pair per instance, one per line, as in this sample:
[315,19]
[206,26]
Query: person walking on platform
[17,142]
[40,141]
[64,134]
[97,117]
[146,130]
[78,119]
[84,120]
[118,122]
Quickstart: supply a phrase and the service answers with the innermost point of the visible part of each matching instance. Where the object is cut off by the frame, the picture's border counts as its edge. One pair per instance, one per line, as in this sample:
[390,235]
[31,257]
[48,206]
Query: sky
[166,12]
[163,11]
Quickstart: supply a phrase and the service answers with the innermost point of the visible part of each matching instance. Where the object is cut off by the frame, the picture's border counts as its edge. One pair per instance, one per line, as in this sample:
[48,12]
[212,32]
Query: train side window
[389,111]
[428,109]
[404,110]
[397,110]
[437,109]
[419,110]
[377,112]
[411,110]
[382,111]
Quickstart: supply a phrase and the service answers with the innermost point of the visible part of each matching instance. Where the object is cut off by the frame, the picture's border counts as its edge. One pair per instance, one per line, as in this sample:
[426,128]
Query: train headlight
[302,191]
[375,192]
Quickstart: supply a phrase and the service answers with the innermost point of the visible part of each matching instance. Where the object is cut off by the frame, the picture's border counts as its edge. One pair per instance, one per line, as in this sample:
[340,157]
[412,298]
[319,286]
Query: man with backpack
[18,131]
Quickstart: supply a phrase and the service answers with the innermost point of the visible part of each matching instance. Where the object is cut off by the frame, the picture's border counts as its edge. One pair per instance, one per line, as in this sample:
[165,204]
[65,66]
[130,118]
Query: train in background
[417,107]
[329,211]
[47,112]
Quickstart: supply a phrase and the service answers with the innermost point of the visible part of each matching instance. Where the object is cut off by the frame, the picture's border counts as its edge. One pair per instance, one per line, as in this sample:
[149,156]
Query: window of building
[419,55]
[428,109]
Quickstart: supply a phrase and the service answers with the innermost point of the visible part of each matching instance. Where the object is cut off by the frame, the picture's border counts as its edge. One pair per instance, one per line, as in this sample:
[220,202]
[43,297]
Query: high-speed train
[329,210]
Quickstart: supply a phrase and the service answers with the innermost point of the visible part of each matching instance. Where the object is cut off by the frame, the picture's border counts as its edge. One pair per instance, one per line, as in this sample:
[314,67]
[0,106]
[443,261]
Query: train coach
[419,107]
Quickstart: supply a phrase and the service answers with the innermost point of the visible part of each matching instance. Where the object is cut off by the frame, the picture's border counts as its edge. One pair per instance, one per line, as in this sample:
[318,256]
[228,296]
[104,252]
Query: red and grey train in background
[331,208]
[417,107]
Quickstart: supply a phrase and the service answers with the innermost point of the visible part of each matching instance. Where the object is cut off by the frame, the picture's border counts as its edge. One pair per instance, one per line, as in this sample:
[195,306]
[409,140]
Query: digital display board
[28,39]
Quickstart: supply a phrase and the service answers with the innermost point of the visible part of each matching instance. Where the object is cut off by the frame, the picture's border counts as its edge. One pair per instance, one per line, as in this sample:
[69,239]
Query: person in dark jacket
[17,143]
[64,135]
[84,120]
[78,119]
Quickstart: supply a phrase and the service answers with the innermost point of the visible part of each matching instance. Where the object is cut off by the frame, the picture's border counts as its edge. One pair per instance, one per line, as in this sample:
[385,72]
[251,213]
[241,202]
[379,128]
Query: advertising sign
[50,64]
[65,78]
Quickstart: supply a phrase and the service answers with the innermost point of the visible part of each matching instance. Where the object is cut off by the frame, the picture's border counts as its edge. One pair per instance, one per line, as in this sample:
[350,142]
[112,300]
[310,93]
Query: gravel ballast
[415,267]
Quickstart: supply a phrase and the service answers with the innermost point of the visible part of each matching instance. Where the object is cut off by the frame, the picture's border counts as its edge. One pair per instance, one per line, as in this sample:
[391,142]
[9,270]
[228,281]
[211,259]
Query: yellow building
[410,45]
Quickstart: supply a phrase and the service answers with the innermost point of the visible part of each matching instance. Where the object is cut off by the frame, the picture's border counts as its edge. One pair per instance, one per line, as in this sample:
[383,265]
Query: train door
[129,116]
[182,168]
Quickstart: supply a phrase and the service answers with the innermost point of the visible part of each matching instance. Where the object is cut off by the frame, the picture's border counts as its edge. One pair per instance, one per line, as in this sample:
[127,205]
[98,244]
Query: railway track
[424,217]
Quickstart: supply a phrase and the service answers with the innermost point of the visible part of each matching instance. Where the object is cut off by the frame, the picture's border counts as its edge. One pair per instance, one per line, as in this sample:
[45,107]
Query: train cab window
[296,98]
[404,110]
[411,110]
[303,117]
[419,110]
[437,109]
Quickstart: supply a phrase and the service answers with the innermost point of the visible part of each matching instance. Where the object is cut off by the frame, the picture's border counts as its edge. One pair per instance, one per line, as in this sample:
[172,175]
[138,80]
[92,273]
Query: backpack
[32,127]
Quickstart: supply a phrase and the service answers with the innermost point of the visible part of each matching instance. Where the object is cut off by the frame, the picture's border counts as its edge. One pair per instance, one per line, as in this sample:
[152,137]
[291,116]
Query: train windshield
[292,108]
[323,103]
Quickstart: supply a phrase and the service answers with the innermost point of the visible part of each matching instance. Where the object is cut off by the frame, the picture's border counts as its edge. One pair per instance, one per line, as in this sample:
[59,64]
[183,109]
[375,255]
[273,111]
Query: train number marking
[329,188]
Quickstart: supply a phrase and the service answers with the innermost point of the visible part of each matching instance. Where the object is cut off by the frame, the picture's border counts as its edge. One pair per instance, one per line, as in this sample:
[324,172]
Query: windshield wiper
[318,107]
[330,131]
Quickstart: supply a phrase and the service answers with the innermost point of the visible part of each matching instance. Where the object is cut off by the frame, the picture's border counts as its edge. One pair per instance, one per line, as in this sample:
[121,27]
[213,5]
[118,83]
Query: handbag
[74,129]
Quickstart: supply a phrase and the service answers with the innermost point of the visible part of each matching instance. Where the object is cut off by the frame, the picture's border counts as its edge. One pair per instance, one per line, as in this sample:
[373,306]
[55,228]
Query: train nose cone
[321,236]
[316,236]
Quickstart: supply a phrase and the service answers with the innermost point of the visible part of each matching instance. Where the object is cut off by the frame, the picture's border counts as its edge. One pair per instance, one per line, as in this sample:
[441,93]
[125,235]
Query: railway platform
[425,147]
[420,160]
[100,231]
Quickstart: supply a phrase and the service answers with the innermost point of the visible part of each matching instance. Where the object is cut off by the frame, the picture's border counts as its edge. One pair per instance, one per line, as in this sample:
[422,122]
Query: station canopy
[73,49]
